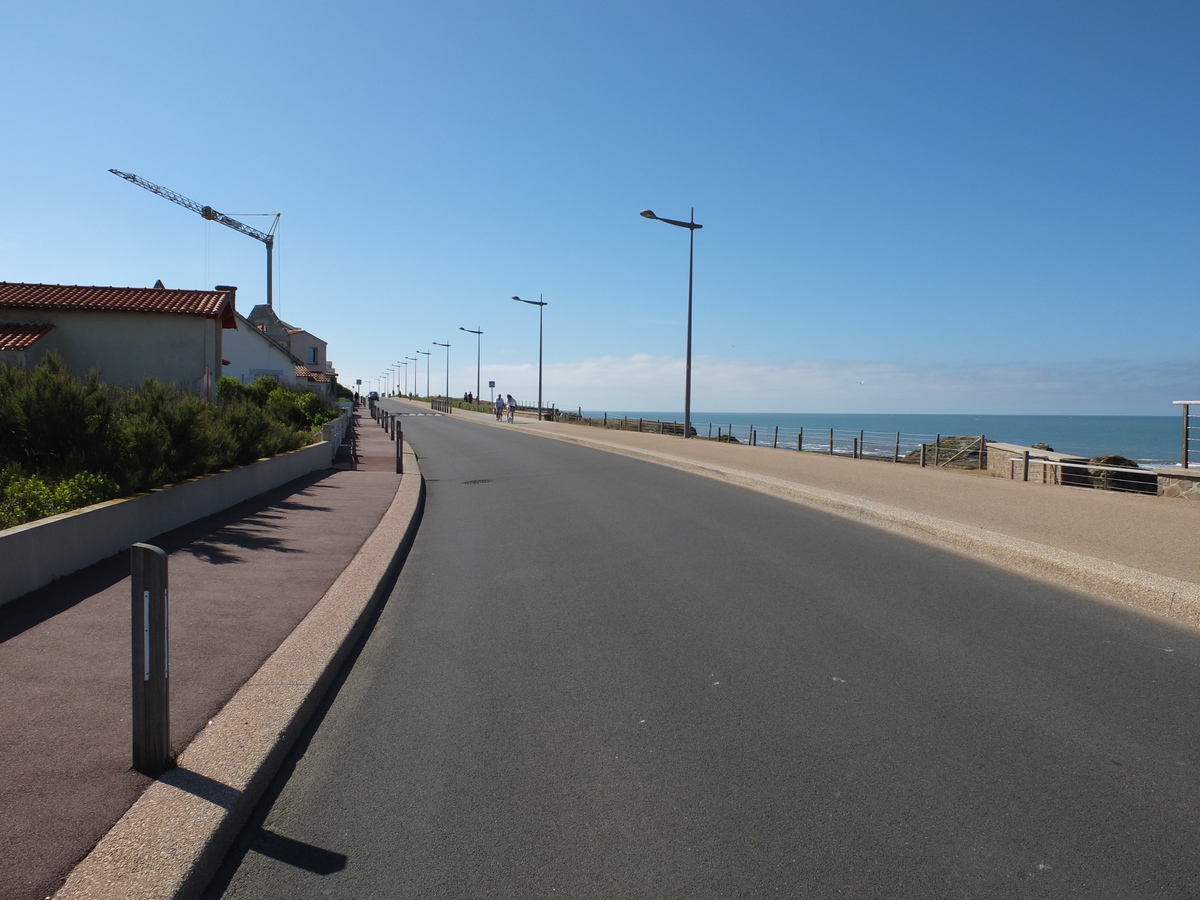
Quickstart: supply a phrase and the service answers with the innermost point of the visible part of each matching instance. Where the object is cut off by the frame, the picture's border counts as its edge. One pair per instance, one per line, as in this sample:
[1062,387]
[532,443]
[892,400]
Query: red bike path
[240,581]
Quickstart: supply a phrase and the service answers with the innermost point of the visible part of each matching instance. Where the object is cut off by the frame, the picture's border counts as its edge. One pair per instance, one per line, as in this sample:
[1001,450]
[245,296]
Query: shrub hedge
[67,443]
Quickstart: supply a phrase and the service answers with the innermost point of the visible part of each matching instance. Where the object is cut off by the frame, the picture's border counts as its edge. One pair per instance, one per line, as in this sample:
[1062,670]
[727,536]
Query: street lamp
[412,359]
[428,389]
[691,226]
[540,305]
[478,345]
[447,346]
[398,363]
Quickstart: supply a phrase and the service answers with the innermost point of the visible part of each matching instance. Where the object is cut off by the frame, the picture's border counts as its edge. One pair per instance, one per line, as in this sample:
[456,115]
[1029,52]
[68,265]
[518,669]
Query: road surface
[601,678]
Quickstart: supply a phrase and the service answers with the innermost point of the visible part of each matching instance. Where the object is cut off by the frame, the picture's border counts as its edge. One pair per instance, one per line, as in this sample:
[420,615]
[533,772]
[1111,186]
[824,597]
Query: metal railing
[1087,475]
[635,423]
[1191,432]
[965,451]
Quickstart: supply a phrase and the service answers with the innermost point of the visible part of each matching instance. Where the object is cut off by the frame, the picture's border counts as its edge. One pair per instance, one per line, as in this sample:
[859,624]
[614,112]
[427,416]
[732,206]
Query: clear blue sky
[968,207]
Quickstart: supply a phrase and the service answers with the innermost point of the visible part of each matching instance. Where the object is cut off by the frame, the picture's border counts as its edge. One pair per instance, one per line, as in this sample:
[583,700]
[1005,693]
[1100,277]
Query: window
[312,355]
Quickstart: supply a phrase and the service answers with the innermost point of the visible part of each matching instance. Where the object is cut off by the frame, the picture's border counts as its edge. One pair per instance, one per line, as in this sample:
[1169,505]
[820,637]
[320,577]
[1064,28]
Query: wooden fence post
[149,634]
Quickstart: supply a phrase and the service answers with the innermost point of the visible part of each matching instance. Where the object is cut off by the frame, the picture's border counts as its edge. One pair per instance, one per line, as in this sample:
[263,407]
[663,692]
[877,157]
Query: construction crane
[213,216]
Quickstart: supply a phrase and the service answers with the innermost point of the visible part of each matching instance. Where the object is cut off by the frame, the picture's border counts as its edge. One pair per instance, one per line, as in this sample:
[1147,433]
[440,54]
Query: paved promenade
[242,581]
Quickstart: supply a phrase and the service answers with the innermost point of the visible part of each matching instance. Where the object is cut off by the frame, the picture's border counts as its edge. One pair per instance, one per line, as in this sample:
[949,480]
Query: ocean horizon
[1148,440]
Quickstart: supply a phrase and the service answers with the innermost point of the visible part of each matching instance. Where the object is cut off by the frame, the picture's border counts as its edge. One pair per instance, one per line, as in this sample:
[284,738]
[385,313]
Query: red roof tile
[20,337]
[305,372]
[210,304]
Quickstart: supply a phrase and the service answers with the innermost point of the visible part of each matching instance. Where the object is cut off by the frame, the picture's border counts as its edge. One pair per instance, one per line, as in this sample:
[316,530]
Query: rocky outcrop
[1139,482]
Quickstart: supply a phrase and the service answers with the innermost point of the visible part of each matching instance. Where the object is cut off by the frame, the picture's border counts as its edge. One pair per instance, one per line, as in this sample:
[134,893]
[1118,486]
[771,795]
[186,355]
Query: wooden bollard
[399,449]
[151,685]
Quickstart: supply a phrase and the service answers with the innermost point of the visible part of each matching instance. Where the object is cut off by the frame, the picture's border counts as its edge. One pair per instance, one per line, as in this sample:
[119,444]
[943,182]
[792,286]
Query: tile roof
[305,372]
[14,336]
[210,304]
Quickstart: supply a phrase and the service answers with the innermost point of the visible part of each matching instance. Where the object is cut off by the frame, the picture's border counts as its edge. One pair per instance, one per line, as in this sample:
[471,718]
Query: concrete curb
[1149,591]
[172,840]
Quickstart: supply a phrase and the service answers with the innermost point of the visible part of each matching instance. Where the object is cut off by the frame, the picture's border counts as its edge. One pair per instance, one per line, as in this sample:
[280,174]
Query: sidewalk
[1129,548]
[240,582]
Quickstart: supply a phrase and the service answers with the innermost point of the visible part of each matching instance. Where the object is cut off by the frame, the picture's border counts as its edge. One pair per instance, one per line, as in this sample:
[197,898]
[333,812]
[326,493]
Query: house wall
[305,341]
[128,347]
[251,354]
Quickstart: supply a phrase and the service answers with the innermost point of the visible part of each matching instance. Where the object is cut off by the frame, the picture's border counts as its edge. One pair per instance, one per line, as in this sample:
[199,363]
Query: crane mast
[212,215]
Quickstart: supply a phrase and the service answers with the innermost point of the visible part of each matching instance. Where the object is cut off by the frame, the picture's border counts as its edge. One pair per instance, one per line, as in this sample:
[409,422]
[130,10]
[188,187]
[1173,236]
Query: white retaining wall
[35,554]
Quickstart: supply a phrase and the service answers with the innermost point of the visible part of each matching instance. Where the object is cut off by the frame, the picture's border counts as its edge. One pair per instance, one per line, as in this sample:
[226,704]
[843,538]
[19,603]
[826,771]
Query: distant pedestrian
[499,407]
[512,407]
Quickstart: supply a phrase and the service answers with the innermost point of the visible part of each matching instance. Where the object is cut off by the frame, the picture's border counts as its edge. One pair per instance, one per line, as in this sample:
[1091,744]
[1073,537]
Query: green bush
[53,423]
[57,432]
[83,489]
[26,498]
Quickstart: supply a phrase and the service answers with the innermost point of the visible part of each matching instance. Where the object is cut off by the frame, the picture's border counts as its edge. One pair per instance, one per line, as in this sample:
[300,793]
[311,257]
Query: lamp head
[518,298]
[647,214]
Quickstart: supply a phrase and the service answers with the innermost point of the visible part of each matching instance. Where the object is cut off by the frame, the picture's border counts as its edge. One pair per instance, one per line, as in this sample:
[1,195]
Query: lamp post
[447,346]
[398,364]
[691,226]
[540,305]
[414,360]
[478,345]
[428,389]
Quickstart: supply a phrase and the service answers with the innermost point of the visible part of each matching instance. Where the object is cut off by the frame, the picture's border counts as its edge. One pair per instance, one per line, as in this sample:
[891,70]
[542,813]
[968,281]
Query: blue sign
[491,384]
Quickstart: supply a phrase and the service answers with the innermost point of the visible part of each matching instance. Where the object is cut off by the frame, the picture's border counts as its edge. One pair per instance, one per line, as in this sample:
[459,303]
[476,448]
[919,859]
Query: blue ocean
[1149,440]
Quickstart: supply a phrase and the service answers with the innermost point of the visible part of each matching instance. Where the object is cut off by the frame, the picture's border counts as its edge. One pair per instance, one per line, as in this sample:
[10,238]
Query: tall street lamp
[691,226]
[398,363]
[540,305]
[478,345]
[428,389]
[447,346]
[414,360]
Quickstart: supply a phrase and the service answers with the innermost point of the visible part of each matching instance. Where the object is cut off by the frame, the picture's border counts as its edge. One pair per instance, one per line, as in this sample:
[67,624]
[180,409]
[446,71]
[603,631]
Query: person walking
[512,408]
[499,407]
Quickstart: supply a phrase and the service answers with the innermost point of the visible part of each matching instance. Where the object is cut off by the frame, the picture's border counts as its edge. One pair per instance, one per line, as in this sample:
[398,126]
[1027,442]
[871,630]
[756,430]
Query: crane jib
[211,214]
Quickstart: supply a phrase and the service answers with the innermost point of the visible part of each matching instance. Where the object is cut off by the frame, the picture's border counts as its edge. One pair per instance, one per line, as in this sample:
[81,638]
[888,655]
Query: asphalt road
[601,678]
